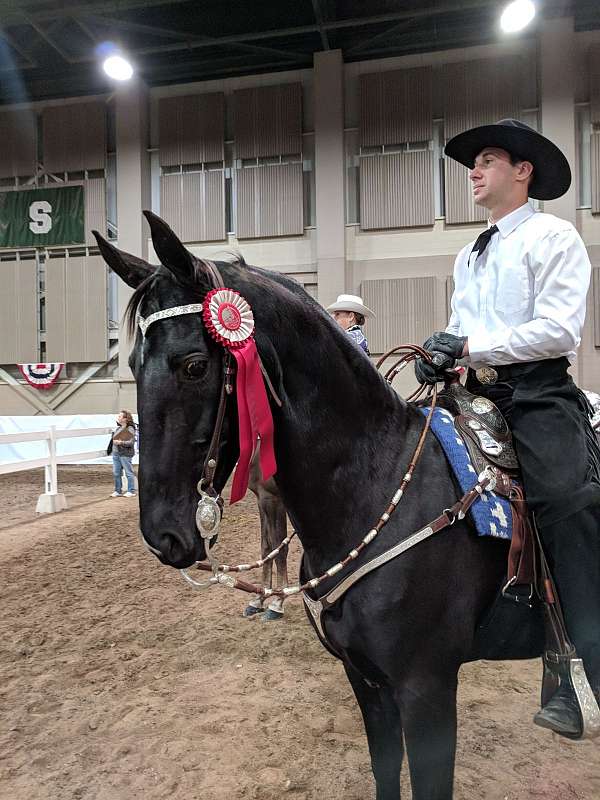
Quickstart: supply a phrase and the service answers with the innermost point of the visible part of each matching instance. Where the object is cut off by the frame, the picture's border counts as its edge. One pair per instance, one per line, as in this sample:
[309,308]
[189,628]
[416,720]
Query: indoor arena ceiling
[48,47]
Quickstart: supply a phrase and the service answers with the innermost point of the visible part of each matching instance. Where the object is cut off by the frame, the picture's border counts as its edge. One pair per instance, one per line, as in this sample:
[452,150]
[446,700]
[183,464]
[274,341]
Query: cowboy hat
[551,171]
[351,302]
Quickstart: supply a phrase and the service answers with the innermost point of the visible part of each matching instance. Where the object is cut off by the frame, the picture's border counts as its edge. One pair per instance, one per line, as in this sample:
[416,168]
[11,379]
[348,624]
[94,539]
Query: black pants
[555,446]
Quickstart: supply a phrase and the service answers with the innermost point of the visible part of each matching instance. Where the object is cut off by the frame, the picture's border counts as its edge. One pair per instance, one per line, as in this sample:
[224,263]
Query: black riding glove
[434,372]
[446,349]
[448,343]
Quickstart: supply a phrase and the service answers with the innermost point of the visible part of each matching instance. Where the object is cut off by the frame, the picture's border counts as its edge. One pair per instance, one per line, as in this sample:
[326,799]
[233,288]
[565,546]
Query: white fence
[52,499]
[35,442]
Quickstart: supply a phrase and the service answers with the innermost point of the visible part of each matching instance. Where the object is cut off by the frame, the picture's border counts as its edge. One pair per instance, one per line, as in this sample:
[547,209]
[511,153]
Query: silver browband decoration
[145,322]
[176,311]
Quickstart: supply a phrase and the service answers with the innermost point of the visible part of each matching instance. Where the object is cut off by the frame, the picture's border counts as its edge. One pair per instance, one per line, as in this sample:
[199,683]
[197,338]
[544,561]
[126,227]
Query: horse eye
[194,368]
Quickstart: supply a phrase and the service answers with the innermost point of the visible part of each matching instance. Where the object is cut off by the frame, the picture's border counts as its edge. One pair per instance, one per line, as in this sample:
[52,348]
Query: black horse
[343,441]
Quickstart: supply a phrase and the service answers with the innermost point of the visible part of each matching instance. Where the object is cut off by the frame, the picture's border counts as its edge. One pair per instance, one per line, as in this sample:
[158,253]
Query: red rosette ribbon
[230,321]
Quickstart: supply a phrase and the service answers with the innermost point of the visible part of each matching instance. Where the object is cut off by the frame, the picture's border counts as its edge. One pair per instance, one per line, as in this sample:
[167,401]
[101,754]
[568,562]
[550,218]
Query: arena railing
[51,500]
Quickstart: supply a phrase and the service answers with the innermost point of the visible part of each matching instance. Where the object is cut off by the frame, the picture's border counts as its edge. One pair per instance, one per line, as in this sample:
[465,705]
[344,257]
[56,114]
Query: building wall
[95,397]
[360,258]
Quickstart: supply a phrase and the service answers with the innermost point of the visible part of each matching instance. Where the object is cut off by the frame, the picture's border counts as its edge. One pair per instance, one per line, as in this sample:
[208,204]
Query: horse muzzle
[175,549]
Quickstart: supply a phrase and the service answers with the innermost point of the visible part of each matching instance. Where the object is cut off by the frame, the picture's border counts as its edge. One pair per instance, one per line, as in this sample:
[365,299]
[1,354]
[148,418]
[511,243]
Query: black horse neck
[343,441]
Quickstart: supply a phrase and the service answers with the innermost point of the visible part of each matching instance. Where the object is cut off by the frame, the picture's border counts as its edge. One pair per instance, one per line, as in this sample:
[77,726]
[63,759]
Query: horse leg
[428,708]
[383,727]
[277,522]
[256,603]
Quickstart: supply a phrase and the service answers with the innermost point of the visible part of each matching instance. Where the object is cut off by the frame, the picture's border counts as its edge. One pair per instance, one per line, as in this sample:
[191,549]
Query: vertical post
[52,468]
[329,175]
[51,500]
[133,195]
[558,70]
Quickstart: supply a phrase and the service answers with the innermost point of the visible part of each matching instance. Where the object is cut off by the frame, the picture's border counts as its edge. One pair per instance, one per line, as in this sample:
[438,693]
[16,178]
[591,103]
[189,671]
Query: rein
[447,518]
[219,570]
[210,505]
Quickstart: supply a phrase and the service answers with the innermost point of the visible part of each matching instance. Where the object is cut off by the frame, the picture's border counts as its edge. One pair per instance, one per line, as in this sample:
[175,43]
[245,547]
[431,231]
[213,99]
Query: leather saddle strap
[521,556]
[447,518]
[556,630]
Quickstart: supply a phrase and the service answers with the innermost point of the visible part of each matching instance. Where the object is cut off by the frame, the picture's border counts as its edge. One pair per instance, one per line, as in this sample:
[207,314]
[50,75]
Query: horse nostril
[175,551]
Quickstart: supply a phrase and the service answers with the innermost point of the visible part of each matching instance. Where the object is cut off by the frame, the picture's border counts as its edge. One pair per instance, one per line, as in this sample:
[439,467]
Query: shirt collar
[511,221]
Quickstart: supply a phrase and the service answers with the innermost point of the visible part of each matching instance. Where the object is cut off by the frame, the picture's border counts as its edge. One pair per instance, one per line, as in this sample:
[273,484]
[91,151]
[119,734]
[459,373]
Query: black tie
[483,240]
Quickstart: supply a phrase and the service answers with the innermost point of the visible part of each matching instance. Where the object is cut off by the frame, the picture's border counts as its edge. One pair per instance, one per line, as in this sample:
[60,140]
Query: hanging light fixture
[517,15]
[117,67]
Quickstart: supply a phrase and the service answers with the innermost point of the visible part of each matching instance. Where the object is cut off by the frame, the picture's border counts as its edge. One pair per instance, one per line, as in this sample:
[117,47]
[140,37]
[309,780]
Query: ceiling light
[517,15]
[118,68]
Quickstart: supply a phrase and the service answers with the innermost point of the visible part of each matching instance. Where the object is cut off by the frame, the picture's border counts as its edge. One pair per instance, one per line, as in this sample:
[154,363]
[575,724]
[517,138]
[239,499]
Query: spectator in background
[350,312]
[123,450]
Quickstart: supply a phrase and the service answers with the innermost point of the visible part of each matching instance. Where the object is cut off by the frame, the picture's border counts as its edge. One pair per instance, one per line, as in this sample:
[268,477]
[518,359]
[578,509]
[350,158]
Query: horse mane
[257,275]
[230,258]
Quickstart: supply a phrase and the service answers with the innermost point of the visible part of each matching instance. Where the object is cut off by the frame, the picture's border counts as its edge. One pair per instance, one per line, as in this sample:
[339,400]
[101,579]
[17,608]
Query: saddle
[488,439]
[489,442]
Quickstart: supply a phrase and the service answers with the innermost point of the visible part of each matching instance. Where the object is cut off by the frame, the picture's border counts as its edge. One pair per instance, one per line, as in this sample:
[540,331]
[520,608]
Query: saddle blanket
[491,512]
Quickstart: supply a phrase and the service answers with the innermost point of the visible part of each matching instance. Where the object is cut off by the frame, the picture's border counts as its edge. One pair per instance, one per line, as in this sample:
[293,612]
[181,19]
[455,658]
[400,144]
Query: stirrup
[569,668]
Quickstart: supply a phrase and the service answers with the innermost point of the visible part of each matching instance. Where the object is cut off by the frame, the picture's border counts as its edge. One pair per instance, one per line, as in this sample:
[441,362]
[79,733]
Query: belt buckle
[486,375]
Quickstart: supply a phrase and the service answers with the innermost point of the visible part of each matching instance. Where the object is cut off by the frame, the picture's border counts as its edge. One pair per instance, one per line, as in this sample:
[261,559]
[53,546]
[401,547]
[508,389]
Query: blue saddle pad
[491,512]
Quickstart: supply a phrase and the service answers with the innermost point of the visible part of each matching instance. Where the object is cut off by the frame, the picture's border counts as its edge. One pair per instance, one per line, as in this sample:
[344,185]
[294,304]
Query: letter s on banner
[39,213]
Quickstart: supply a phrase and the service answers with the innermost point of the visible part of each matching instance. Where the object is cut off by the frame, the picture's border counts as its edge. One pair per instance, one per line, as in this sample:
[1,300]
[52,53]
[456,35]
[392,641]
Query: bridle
[210,505]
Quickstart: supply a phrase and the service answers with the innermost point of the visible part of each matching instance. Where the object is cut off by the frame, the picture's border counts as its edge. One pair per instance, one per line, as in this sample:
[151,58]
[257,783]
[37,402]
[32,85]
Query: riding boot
[572,548]
[561,714]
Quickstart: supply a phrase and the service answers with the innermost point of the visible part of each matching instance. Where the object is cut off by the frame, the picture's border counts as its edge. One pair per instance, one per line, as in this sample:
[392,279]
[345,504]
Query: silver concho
[486,375]
[487,443]
[208,516]
[481,405]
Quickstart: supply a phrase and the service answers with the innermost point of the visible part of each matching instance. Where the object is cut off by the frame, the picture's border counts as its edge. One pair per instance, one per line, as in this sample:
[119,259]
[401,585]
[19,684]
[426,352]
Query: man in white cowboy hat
[350,312]
[517,314]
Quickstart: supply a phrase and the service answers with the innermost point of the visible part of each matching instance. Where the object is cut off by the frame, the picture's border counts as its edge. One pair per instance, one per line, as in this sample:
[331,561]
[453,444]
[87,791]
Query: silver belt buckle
[486,375]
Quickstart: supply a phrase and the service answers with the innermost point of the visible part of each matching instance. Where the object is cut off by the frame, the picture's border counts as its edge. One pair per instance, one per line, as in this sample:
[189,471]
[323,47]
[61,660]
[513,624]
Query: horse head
[178,370]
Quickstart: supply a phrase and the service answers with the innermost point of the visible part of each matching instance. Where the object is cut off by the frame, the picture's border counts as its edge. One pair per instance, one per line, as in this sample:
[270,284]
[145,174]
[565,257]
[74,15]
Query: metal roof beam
[13,14]
[86,29]
[48,39]
[319,18]
[108,7]
[369,42]
[18,49]
[189,40]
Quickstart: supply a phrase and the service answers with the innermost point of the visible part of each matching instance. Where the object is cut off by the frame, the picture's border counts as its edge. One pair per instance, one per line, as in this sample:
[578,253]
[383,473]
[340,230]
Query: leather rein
[210,505]
[221,572]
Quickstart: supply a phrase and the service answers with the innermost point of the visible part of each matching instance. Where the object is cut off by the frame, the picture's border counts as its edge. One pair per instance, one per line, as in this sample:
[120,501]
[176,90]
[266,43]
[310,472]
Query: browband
[165,313]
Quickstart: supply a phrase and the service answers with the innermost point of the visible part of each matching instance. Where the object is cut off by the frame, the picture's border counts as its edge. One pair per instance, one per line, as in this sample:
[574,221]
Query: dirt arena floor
[118,681]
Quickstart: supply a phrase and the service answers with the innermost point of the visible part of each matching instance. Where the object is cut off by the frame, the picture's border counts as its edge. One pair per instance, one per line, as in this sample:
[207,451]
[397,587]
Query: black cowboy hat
[551,171]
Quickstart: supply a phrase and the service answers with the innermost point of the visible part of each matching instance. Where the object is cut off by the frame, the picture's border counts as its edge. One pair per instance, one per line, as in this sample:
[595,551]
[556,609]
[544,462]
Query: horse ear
[131,269]
[176,258]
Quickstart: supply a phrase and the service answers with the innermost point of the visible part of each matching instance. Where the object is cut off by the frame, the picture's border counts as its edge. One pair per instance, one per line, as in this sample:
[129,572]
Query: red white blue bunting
[41,376]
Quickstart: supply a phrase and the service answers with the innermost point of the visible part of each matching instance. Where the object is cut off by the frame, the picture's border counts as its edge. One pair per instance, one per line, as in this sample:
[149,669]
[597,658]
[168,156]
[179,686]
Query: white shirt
[523,298]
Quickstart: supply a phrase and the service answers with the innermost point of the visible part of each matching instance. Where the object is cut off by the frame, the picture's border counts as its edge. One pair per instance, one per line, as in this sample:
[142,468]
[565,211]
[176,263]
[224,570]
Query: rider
[517,314]
[350,312]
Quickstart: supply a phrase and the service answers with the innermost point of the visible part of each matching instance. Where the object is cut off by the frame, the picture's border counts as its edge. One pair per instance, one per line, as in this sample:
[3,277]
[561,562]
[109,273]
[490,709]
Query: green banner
[40,217]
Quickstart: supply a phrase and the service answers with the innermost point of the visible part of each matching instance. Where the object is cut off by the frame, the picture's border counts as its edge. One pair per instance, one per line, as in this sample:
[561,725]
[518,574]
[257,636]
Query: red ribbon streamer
[254,418]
